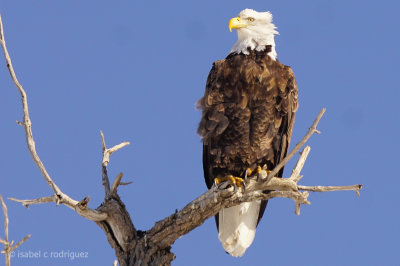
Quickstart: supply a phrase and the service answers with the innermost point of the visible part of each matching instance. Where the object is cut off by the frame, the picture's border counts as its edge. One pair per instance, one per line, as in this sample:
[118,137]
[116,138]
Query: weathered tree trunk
[131,246]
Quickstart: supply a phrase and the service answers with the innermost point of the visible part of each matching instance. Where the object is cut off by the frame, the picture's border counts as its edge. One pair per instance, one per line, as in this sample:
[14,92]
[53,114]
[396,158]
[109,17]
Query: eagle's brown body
[248,113]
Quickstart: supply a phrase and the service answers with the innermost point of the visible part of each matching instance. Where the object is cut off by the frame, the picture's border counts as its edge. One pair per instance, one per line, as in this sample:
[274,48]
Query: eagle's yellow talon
[236,181]
[250,171]
[259,169]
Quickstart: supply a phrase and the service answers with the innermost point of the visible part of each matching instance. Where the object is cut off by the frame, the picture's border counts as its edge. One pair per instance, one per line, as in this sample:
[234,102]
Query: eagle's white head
[255,31]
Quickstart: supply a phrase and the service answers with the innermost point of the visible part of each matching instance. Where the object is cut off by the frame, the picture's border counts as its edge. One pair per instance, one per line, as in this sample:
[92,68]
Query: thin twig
[300,163]
[20,243]
[103,141]
[116,183]
[7,245]
[42,200]
[355,188]
[5,213]
[311,130]
[92,215]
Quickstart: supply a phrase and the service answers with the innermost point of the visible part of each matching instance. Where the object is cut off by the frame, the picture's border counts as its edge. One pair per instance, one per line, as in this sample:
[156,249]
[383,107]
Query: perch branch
[165,232]
[58,194]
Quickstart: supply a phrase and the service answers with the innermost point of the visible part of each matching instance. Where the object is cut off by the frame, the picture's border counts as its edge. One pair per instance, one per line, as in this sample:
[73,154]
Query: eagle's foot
[250,171]
[259,176]
[235,181]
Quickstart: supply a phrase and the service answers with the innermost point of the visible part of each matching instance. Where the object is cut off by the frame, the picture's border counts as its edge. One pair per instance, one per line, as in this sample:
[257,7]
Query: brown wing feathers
[248,114]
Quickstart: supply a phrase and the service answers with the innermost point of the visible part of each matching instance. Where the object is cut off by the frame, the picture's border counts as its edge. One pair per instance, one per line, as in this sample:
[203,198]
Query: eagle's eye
[250,19]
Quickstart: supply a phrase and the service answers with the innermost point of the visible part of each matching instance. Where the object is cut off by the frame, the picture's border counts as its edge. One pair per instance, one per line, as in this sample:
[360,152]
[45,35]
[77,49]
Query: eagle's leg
[235,181]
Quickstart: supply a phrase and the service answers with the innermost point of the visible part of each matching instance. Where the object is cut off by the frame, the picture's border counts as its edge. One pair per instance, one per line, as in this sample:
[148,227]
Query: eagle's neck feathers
[256,39]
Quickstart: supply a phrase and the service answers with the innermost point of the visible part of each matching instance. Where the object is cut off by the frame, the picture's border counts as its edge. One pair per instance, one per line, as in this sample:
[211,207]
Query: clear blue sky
[135,69]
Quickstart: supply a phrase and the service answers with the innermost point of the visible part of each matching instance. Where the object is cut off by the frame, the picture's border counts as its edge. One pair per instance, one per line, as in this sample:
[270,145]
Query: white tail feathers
[237,227]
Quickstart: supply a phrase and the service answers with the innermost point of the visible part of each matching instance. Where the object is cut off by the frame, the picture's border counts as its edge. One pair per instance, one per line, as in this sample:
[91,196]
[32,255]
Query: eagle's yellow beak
[236,23]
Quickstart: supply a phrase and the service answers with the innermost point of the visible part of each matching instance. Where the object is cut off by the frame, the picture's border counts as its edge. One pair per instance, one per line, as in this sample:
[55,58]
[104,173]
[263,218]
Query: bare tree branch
[5,213]
[355,188]
[8,246]
[210,203]
[300,163]
[108,152]
[26,120]
[58,194]
[311,130]
[42,200]
[105,161]
[104,177]
[116,183]
[20,243]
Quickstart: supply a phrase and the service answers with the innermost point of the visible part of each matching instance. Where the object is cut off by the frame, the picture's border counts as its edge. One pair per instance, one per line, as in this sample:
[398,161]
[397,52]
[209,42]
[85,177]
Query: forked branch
[106,159]
[165,232]
[311,130]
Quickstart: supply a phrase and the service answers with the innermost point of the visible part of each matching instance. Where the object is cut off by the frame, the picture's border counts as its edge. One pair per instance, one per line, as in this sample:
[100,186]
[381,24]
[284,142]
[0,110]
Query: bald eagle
[248,111]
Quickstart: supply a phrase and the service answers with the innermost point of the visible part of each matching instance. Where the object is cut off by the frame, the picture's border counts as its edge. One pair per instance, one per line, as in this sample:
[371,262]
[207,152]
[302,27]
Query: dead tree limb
[152,247]
[59,196]
[8,246]
[311,130]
